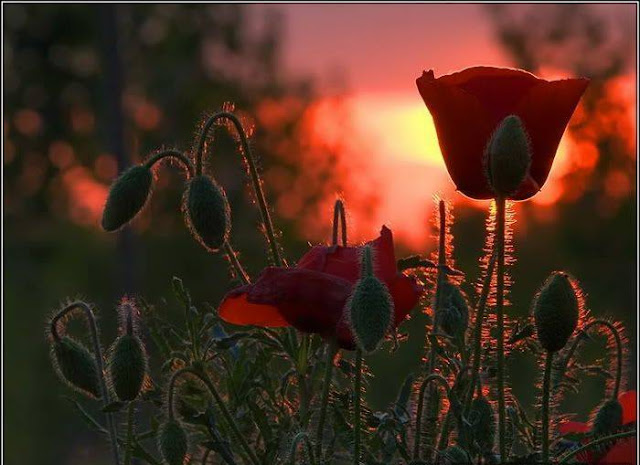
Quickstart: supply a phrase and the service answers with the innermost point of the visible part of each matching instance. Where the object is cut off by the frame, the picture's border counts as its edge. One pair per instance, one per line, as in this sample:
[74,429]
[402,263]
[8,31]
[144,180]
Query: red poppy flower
[623,451]
[312,296]
[468,106]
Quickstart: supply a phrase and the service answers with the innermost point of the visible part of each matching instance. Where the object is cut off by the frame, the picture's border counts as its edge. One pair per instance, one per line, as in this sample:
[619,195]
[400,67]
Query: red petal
[545,112]
[623,452]
[406,293]
[628,400]
[308,300]
[573,427]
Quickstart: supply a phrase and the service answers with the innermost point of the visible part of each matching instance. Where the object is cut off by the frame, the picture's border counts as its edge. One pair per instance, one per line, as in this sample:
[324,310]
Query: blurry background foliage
[90,90]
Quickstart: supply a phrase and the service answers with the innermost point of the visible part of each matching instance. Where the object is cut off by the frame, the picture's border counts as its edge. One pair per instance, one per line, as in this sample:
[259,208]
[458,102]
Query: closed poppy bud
[556,310]
[608,418]
[127,196]
[370,307]
[508,156]
[172,443]
[76,366]
[207,212]
[454,311]
[483,423]
[455,455]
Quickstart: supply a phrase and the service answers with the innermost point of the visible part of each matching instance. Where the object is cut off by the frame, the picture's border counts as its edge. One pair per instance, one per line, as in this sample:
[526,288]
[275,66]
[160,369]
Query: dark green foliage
[455,455]
[483,423]
[454,310]
[76,366]
[556,310]
[608,418]
[127,366]
[172,443]
[127,196]
[370,312]
[207,212]
[508,156]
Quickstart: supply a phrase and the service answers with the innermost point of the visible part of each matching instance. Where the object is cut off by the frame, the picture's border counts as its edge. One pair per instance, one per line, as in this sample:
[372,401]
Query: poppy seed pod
[370,307]
[556,310]
[508,157]
[482,419]
[127,366]
[76,366]
[207,212]
[454,310]
[127,195]
[608,418]
[172,443]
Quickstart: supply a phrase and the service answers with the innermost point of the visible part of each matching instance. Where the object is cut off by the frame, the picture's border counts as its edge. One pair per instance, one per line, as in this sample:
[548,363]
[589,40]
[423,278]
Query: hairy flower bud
[370,307]
[76,366]
[172,443]
[127,196]
[608,418]
[483,423]
[508,156]
[207,212]
[454,310]
[127,366]
[556,309]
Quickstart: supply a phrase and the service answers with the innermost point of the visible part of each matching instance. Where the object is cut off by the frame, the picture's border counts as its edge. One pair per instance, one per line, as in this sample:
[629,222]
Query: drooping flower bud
[76,366]
[483,423]
[173,443]
[454,310]
[127,196]
[207,212]
[556,310]
[608,418]
[370,307]
[508,156]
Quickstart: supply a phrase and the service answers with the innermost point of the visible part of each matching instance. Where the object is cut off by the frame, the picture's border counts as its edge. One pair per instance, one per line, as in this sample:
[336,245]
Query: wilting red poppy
[623,451]
[468,106]
[312,296]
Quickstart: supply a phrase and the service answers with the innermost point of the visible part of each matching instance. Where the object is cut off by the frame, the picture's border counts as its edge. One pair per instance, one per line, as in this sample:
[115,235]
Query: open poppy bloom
[312,296]
[468,106]
[623,451]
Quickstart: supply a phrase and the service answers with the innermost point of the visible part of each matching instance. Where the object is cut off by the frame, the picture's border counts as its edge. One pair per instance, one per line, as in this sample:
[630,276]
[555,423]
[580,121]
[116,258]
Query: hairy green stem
[546,395]
[356,408]
[418,428]
[569,455]
[301,437]
[499,242]
[175,154]
[219,401]
[97,353]
[339,216]
[129,448]
[235,263]
[332,350]
[253,172]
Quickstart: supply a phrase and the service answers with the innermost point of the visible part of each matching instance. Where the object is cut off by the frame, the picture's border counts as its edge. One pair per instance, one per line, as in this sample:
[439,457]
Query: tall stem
[356,408]
[339,217]
[253,172]
[97,353]
[500,240]
[129,447]
[221,405]
[332,349]
[418,428]
[546,394]
[235,263]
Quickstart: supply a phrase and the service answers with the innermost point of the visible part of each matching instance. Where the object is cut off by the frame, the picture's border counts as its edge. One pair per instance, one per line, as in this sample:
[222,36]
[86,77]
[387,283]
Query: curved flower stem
[339,216]
[356,408]
[619,351]
[566,457]
[253,172]
[97,353]
[301,437]
[332,350]
[477,331]
[499,243]
[443,442]
[546,394]
[175,154]
[235,263]
[418,429]
[129,447]
[221,405]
